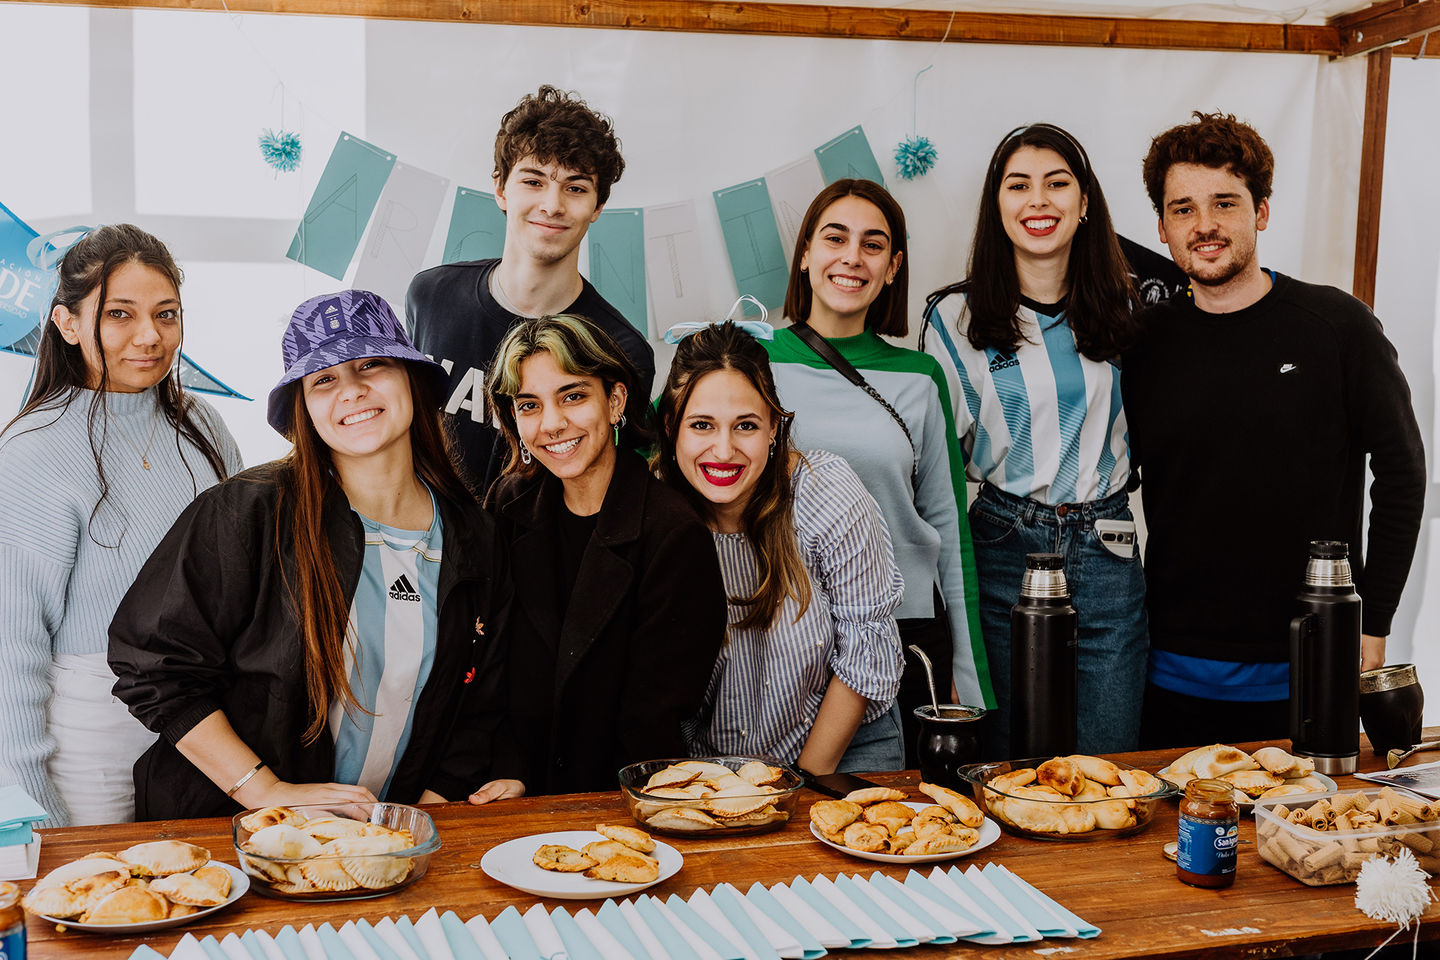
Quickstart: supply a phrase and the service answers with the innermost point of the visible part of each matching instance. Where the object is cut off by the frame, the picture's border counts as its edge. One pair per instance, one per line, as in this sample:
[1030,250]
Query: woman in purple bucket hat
[325,628]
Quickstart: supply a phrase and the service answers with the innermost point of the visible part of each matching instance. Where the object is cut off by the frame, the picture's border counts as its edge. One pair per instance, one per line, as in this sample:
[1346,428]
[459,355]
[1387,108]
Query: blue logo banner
[25,288]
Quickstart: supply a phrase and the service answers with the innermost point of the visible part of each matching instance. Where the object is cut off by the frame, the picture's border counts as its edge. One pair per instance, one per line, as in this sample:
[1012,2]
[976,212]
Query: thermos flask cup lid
[1044,561]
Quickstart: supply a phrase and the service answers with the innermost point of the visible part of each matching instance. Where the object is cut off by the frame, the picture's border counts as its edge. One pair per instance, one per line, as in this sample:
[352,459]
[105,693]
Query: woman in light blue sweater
[106,452]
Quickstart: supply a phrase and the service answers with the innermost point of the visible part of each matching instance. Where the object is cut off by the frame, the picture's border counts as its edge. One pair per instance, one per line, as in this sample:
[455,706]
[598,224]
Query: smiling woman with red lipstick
[1030,343]
[325,628]
[619,609]
[812,660]
[848,291]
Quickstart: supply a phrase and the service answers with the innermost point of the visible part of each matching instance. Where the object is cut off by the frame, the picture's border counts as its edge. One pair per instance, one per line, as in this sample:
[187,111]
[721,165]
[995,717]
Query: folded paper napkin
[18,810]
[801,920]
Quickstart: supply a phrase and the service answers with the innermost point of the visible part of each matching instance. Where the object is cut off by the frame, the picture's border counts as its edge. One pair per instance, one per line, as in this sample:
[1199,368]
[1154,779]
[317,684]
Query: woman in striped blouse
[812,661]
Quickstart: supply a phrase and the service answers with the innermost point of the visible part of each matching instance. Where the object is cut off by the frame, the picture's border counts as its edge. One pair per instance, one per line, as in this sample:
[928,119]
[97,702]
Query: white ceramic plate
[513,864]
[1245,803]
[989,833]
[239,883]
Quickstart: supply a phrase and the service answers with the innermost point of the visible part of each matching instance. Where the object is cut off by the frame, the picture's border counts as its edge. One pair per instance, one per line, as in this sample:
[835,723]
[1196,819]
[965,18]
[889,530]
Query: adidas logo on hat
[402,589]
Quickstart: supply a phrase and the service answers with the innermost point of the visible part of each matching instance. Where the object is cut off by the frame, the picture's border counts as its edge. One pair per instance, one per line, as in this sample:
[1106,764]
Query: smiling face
[567,422]
[139,328]
[547,208]
[1210,222]
[361,407]
[1040,203]
[849,259]
[722,443]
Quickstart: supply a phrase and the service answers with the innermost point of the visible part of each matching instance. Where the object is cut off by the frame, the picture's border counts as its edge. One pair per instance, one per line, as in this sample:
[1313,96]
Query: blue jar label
[12,942]
[1206,847]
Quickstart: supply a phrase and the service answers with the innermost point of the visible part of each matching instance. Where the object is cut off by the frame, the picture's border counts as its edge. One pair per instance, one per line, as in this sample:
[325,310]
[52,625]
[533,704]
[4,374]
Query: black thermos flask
[1325,662]
[1044,639]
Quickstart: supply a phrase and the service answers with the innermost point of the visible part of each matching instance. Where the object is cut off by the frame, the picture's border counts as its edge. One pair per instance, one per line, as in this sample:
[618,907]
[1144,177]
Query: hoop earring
[525,457]
[1083,218]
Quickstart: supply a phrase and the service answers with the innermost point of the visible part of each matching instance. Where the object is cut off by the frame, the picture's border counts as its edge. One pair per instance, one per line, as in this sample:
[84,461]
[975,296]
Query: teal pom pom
[915,156]
[281,150]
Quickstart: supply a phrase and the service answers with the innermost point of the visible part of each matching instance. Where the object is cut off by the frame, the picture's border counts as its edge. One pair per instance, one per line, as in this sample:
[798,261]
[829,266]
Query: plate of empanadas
[613,860]
[1268,774]
[880,824]
[145,887]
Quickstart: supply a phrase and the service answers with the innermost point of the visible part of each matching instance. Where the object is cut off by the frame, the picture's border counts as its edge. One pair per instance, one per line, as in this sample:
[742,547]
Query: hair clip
[45,253]
[759,329]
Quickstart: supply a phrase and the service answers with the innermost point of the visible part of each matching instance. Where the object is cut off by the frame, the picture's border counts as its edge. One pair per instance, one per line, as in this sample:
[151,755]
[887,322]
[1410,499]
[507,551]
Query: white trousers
[96,741]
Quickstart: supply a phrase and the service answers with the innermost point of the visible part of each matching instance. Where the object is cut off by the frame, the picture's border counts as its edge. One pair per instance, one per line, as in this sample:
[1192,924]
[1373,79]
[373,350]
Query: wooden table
[1124,886]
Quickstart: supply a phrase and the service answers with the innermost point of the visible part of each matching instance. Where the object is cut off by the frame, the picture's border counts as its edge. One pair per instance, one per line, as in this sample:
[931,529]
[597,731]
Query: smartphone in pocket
[1117,536]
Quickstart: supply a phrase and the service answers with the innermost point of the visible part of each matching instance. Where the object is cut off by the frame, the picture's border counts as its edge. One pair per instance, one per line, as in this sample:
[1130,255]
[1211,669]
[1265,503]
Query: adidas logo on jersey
[1002,361]
[402,589]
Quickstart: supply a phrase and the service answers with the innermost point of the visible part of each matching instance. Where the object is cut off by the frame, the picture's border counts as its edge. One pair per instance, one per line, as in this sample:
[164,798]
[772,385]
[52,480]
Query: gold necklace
[145,454]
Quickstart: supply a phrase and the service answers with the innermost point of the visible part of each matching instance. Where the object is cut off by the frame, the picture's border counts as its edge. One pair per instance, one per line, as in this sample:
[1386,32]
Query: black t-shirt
[1156,276]
[1252,429]
[573,533]
[455,320]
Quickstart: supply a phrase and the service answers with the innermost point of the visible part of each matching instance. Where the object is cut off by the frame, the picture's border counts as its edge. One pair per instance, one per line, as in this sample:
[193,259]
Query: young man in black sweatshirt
[1253,404]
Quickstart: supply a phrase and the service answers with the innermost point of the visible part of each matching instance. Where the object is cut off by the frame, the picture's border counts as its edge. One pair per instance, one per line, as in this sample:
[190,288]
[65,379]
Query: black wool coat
[608,680]
[208,626]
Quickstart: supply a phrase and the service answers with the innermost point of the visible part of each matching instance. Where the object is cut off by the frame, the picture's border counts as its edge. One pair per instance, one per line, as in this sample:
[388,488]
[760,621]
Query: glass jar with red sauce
[1209,831]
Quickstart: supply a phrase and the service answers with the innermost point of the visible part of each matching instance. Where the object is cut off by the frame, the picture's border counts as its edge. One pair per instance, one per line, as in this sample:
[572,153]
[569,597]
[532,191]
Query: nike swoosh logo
[1286,367]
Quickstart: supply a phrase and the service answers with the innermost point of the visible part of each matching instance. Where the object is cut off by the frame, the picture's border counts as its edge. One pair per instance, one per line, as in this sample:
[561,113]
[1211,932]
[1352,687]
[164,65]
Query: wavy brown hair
[1101,301]
[556,126]
[61,370]
[1211,140]
[306,481]
[889,312]
[769,515]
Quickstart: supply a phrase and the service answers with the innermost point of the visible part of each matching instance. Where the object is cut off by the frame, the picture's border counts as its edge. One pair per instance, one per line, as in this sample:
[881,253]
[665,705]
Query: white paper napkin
[697,943]
[432,936]
[709,911]
[233,948]
[543,932]
[310,942]
[485,938]
[188,949]
[602,939]
[262,945]
[982,883]
[614,921]
[642,931]
[782,941]
[356,943]
[913,929]
[879,939]
[911,902]
[389,933]
[826,933]
[981,911]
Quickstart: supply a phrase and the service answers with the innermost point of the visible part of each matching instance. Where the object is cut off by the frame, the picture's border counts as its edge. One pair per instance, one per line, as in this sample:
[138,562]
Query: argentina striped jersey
[768,683]
[1044,422]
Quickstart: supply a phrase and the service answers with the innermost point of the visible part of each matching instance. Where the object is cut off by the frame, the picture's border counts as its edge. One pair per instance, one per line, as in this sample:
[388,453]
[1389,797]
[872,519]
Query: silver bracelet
[244,780]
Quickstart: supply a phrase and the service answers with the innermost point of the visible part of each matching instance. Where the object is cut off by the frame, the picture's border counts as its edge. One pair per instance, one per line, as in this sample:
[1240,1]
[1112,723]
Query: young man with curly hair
[1254,403]
[555,161]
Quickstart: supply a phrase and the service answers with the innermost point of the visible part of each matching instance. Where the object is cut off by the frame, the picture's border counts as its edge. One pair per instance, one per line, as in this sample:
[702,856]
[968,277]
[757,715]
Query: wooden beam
[1372,166]
[809,20]
[1389,24]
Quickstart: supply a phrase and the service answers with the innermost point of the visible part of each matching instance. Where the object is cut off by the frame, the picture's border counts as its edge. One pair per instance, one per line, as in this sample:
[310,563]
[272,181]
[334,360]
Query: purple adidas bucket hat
[336,328]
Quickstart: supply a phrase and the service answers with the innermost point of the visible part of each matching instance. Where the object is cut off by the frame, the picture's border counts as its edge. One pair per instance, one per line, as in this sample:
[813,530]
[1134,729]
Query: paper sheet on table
[577,946]
[978,881]
[871,928]
[233,949]
[893,930]
[610,948]
[432,936]
[613,921]
[513,935]
[751,940]
[939,931]
[837,918]
[287,940]
[781,940]
[696,942]
[709,912]
[364,931]
[542,931]
[462,945]
[211,947]
[406,929]
[143,952]
[1034,912]
[721,943]
[310,943]
[963,922]
[914,928]
[1083,928]
[977,906]
[650,938]
[484,937]
[260,945]
[189,949]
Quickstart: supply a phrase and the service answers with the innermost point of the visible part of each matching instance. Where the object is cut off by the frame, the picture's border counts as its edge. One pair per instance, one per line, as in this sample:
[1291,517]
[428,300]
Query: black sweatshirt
[1251,431]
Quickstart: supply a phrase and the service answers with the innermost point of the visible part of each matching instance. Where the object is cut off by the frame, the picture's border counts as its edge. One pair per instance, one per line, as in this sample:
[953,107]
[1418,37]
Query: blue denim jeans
[876,746]
[1108,593]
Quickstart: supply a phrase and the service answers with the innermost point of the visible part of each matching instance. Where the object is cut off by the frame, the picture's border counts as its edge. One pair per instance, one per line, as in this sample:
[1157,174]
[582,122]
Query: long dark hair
[61,370]
[306,478]
[1101,299]
[889,313]
[769,517]
[579,347]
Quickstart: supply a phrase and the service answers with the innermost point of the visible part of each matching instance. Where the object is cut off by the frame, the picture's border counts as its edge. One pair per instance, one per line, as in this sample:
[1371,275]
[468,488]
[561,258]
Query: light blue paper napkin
[18,808]
[725,897]
[143,952]
[693,920]
[373,940]
[251,942]
[1084,929]
[612,920]
[510,930]
[668,936]
[857,896]
[1034,913]
[335,948]
[895,891]
[605,941]
[411,938]
[817,926]
[289,943]
[922,885]
[577,945]
[701,948]
[484,937]
[766,902]
[461,943]
[985,894]
[642,930]
[837,919]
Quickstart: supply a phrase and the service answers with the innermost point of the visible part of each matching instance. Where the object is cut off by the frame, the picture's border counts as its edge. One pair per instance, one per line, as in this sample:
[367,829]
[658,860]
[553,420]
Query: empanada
[833,816]
[1061,773]
[869,795]
[961,806]
[561,859]
[869,837]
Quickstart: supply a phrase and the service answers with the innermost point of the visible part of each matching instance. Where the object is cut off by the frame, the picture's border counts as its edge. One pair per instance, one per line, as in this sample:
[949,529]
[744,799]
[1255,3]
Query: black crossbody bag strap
[845,368]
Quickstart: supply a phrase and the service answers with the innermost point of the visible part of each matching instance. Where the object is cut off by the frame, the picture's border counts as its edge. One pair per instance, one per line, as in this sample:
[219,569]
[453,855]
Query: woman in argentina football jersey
[1030,343]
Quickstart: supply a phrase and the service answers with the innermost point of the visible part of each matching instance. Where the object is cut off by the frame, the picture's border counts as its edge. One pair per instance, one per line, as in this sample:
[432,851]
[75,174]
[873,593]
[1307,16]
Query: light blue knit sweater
[61,574]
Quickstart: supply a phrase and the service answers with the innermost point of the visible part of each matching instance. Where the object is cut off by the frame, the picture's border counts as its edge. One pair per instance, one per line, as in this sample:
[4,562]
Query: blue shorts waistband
[1033,511]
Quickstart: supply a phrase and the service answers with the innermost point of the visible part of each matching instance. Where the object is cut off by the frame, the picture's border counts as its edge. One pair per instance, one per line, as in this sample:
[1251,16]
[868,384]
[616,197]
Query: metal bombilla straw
[929,676]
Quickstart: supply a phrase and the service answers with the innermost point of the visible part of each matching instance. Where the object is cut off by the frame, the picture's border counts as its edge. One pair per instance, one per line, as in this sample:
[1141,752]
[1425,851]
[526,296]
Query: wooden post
[1372,167]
